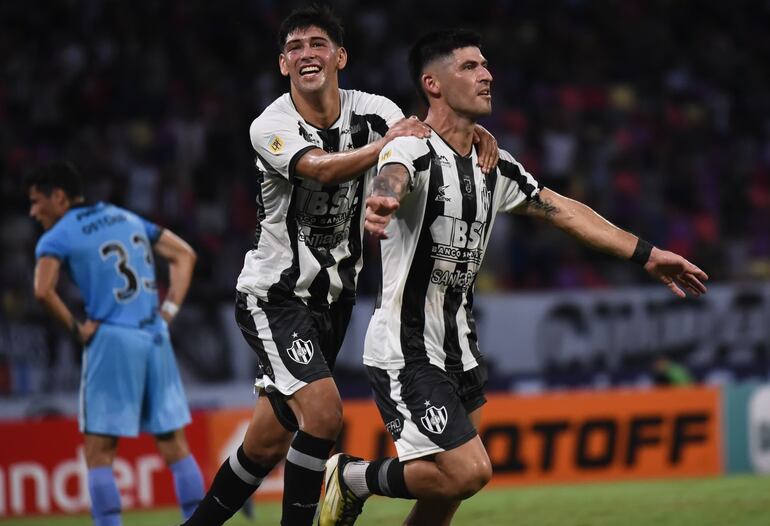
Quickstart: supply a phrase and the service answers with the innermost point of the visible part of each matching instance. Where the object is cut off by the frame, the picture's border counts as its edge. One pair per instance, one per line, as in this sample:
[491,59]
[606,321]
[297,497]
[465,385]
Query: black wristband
[642,252]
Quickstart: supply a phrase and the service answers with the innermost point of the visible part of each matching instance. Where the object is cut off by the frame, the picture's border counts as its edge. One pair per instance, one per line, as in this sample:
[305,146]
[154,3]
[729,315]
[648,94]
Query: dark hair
[435,45]
[57,174]
[316,15]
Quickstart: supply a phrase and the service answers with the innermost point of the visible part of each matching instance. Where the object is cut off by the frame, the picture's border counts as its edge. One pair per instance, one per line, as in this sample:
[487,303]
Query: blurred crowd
[654,112]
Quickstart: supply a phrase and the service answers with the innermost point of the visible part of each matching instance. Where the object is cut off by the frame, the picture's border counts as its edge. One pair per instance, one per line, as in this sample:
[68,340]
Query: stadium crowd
[666,133]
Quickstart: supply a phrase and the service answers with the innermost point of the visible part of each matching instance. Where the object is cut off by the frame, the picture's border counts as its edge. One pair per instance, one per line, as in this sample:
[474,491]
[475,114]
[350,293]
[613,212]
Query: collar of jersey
[468,156]
[335,124]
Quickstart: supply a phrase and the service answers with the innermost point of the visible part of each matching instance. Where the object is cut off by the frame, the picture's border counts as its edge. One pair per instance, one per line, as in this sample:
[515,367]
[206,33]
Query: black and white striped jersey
[308,237]
[436,242]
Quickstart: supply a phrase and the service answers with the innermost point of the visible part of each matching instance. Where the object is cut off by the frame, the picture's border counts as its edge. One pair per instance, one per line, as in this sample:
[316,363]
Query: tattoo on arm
[391,182]
[544,205]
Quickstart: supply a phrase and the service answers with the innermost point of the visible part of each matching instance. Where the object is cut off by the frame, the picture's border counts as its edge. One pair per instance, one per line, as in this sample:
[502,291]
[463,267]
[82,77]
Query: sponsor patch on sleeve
[276,144]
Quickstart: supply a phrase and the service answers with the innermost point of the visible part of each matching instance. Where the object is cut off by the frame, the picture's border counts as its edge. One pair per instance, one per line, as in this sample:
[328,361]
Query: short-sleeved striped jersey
[108,253]
[308,237]
[435,246]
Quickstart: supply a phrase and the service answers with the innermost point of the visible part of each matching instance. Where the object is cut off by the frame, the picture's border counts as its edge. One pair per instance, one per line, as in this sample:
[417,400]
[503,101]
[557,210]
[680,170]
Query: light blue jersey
[106,248]
[130,381]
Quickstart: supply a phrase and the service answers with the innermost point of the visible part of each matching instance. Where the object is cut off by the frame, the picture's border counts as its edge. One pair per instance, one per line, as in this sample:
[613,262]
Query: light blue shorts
[130,383]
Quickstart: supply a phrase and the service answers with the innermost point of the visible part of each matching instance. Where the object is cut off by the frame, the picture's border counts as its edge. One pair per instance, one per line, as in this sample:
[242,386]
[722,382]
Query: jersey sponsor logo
[394,427]
[276,144]
[458,279]
[386,155]
[103,222]
[434,419]
[457,241]
[355,128]
[322,239]
[301,351]
[441,160]
[442,194]
[324,215]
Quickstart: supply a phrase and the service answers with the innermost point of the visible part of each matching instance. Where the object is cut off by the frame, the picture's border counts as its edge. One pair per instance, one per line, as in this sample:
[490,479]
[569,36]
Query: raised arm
[388,188]
[338,167]
[46,279]
[181,261]
[583,223]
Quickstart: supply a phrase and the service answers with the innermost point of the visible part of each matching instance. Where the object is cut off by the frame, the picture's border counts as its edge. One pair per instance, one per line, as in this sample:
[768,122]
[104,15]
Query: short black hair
[56,174]
[320,16]
[435,45]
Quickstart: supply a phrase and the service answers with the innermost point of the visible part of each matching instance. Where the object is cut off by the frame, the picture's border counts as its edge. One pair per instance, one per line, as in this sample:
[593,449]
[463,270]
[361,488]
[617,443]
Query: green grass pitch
[733,501]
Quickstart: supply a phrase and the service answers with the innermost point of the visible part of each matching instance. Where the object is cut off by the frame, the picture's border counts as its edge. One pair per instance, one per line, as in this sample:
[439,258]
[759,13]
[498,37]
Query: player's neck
[321,109]
[456,130]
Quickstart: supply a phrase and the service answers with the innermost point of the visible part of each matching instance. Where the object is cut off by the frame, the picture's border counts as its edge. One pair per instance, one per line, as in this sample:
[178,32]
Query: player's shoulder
[409,144]
[507,164]
[505,155]
[362,101]
[279,111]
[53,233]
[355,96]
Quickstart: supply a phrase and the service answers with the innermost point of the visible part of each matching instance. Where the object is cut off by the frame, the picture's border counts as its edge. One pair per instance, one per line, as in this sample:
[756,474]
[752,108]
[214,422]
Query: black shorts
[295,345]
[426,409]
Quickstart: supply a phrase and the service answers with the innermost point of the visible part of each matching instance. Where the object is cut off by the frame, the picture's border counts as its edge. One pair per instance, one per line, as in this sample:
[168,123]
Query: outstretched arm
[583,223]
[388,188]
[338,167]
[181,262]
[46,279]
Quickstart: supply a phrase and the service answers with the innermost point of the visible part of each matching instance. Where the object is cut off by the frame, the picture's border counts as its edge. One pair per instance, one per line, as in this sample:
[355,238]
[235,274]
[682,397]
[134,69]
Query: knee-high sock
[105,499]
[236,480]
[188,484]
[302,478]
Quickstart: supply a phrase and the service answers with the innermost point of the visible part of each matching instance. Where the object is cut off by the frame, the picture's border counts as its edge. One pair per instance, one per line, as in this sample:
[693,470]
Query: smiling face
[462,80]
[311,60]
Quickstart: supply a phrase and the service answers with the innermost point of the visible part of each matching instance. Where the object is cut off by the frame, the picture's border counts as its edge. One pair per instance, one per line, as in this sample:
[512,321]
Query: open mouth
[485,93]
[309,70]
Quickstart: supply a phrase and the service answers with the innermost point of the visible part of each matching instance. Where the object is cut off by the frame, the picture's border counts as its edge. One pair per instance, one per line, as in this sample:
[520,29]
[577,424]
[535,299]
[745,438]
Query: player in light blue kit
[130,381]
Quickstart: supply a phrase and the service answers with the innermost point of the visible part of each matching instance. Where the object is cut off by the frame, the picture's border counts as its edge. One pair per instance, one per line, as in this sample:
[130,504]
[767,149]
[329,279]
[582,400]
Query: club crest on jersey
[435,419]
[301,351]
[442,194]
[276,144]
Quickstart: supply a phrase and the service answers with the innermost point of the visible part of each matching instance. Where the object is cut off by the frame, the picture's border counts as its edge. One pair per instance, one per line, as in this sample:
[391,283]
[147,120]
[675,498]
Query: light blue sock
[105,499]
[188,483]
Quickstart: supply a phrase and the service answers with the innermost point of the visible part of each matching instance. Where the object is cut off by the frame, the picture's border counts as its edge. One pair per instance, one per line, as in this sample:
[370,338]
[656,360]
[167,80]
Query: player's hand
[488,151]
[379,210]
[86,331]
[411,127]
[676,273]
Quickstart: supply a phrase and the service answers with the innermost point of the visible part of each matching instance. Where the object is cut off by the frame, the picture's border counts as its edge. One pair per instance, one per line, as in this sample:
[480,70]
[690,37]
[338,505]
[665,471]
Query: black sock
[386,477]
[234,483]
[302,478]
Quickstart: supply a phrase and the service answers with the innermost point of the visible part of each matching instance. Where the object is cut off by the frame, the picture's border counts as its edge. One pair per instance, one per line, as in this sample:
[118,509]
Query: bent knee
[326,424]
[471,482]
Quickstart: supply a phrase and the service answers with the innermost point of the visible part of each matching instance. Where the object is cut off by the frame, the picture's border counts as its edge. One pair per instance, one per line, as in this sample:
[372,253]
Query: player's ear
[342,58]
[431,85]
[282,65]
[59,196]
